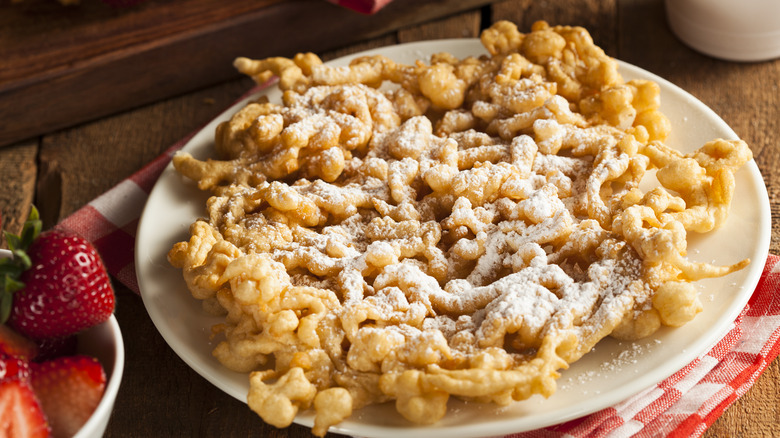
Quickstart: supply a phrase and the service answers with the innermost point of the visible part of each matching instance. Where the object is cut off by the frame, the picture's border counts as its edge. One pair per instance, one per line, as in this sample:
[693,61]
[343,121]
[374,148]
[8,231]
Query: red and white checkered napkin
[683,405]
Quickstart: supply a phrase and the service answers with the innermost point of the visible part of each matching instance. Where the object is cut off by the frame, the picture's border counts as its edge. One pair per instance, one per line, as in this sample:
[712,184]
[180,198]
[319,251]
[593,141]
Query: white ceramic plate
[601,379]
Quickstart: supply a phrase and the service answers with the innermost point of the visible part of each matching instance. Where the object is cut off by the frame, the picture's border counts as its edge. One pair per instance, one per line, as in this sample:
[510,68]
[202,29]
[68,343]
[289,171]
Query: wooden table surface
[161,396]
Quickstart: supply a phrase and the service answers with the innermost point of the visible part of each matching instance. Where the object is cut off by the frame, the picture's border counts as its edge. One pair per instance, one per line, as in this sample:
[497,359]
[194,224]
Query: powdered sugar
[498,275]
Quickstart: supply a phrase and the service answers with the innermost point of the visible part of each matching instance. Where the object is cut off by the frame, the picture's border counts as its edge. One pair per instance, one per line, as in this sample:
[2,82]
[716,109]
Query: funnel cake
[453,228]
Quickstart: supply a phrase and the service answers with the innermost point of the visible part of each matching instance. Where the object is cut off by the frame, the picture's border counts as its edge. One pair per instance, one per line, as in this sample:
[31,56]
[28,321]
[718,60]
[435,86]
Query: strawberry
[69,388]
[14,344]
[55,285]
[21,415]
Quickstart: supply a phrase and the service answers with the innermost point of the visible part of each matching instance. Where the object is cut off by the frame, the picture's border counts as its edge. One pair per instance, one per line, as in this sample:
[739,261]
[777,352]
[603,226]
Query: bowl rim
[97,422]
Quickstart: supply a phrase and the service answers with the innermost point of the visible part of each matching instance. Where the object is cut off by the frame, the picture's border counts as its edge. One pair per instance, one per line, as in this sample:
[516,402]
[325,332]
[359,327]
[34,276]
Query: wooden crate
[60,66]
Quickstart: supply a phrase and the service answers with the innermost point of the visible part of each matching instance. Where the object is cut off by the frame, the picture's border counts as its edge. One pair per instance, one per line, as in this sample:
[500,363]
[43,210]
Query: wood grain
[79,164]
[70,65]
[41,38]
[466,25]
[18,172]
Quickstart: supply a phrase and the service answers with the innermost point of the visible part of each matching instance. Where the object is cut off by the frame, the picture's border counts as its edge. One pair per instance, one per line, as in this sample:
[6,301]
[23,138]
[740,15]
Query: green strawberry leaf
[30,231]
[12,268]
[12,285]
[8,267]
[6,300]
[22,259]
[13,241]
[34,215]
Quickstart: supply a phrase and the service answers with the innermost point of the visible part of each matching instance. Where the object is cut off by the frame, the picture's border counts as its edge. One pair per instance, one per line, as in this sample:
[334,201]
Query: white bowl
[104,342]
[745,30]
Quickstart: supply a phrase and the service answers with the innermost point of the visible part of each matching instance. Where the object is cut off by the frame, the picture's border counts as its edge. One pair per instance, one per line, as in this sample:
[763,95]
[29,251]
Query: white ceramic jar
[734,30]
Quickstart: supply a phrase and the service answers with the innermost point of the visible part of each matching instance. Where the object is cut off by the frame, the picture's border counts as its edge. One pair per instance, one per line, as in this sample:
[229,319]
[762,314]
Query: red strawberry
[16,345]
[58,282]
[69,388]
[21,415]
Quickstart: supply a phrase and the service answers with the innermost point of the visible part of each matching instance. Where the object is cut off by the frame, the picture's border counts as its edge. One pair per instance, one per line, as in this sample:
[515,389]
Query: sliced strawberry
[56,285]
[14,344]
[13,369]
[69,388]
[21,415]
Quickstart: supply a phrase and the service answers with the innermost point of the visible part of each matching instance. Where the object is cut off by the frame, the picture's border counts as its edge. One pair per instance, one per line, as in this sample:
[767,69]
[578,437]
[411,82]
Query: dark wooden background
[72,161]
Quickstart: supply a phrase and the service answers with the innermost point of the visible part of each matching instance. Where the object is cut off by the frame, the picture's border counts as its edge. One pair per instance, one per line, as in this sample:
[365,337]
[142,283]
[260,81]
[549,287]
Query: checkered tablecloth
[683,405]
